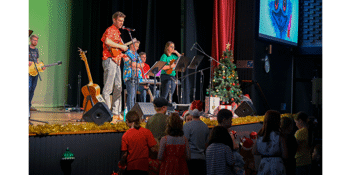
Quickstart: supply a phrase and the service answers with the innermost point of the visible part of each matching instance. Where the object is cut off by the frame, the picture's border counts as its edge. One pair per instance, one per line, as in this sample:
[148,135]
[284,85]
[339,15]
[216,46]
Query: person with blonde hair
[168,80]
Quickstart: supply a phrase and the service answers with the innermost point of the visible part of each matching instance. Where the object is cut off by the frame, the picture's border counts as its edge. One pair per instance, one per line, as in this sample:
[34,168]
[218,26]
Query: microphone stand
[211,60]
[136,72]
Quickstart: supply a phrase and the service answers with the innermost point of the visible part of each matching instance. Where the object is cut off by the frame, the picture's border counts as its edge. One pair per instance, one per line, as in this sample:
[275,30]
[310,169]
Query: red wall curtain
[223,27]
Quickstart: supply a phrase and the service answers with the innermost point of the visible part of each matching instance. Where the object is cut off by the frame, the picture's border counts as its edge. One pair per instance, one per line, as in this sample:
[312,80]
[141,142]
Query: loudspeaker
[98,114]
[245,109]
[144,109]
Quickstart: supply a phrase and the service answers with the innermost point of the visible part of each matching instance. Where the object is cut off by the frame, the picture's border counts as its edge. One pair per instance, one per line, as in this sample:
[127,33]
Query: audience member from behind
[136,142]
[287,125]
[302,156]
[317,160]
[157,123]
[220,157]
[224,118]
[197,133]
[174,149]
[271,145]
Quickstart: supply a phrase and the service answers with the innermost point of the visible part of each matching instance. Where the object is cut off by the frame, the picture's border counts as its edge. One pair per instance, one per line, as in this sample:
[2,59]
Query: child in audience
[136,142]
[220,157]
[156,124]
[174,149]
[302,156]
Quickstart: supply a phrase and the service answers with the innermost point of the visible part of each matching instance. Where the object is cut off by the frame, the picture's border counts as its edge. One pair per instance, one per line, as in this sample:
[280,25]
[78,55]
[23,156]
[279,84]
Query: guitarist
[168,80]
[111,64]
[33,57]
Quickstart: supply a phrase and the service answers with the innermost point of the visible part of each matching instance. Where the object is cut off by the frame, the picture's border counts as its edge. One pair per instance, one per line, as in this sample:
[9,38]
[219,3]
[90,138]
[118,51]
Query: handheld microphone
[128,29]
[193,46]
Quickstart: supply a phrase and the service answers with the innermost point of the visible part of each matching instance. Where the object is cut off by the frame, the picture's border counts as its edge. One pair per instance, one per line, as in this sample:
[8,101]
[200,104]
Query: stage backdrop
[50,20]
[223,27]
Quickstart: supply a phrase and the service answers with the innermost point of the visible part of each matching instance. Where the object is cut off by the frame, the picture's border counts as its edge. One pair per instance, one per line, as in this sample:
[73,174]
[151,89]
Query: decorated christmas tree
[225,82]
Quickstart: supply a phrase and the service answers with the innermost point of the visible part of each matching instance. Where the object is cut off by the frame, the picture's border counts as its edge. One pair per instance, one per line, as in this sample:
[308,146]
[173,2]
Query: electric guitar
[116,51]
[40,66]
[90,91]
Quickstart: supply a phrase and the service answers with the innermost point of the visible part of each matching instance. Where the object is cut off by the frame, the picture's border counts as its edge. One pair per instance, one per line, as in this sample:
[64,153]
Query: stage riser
[94,153]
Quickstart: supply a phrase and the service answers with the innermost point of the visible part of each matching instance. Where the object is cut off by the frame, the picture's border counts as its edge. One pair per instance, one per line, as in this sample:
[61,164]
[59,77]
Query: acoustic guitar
[116,51]
[40,66]
[90,91]
[170,70]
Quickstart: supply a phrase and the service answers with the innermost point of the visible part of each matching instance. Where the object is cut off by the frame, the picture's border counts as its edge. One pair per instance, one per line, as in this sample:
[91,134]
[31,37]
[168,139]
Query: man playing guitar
[111,63]
[33,57]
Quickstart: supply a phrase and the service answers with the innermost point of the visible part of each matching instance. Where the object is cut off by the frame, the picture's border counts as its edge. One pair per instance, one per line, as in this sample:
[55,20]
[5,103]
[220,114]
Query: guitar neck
[49,65]
[88,71]
[128,43]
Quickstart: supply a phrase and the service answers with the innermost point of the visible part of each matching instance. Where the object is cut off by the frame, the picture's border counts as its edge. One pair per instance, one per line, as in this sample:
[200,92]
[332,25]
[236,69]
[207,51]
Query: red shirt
[113,34]
[145,69]
[137,144]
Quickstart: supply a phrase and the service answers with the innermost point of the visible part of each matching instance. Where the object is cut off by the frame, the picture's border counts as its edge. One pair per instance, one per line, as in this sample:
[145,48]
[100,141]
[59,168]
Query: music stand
[194,65]
[181,66]
[154,70]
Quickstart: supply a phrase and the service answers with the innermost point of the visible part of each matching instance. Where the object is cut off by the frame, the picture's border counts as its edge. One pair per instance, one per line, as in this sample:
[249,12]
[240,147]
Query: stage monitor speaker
[144,109]
[245,109]
[98,114]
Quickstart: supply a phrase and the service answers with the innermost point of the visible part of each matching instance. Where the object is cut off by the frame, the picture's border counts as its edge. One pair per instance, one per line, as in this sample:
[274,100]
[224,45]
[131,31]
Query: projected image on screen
[279,20]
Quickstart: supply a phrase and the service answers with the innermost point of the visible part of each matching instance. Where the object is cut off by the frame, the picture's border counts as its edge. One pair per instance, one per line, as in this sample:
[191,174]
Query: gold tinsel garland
[89,127]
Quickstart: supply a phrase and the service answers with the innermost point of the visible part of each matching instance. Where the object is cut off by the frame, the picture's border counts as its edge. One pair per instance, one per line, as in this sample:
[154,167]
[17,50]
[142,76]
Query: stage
[55,116]
[96,148]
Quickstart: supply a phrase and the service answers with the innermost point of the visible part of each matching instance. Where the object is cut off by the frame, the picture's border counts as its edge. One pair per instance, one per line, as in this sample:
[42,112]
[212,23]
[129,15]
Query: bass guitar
[90,91]
[40,66]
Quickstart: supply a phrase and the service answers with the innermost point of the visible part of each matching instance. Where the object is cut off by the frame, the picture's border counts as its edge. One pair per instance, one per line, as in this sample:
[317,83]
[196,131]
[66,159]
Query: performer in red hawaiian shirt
[111,63]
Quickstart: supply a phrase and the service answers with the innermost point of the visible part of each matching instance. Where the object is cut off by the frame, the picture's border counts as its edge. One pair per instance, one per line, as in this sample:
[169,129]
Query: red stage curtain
[223,27]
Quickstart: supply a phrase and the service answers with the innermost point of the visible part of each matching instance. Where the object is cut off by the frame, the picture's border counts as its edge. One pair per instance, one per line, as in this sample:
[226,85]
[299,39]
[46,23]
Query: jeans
[130,88]
[33,80]
[168,85]
[143,95]
[303,170]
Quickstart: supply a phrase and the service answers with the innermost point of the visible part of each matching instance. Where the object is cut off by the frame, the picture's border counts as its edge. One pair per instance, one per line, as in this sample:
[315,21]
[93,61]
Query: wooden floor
[55,116]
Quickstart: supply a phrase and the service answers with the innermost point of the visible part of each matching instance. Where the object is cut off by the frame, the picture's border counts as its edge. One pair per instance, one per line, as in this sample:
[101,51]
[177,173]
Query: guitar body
[32,70]
[40,65]
[169,71]
[91,89]
[94,91]
[115,52]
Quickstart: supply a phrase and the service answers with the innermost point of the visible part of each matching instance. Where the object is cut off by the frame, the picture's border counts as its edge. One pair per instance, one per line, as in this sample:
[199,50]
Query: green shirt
[167,59]
[156,124]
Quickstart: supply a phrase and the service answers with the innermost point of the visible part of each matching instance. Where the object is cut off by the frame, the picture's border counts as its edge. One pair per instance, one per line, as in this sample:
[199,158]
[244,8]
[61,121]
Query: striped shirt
[220,158]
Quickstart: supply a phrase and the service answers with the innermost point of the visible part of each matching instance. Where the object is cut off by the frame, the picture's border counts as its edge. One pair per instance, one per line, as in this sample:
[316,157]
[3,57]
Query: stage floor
[56,116]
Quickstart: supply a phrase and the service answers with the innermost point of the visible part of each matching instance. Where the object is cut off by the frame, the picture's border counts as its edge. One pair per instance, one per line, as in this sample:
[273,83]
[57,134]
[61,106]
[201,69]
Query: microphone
[128,29]
[193,46]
